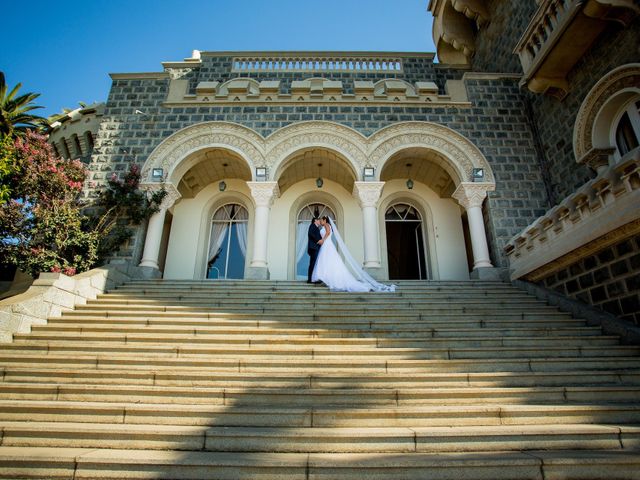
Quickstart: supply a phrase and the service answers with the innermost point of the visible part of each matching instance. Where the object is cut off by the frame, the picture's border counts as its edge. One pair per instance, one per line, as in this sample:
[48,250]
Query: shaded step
[264,416]
[320,440]
[322,380]
[315,397]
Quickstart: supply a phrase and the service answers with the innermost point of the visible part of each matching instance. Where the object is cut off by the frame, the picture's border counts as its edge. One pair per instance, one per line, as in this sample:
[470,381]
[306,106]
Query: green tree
[15,118]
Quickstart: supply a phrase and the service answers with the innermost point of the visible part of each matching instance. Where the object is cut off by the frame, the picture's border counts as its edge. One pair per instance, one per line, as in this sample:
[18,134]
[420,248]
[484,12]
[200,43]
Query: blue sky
[65,50]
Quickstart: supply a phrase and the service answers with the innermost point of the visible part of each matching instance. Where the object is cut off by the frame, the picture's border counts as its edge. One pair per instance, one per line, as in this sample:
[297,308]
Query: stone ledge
[53,293]
[611,325]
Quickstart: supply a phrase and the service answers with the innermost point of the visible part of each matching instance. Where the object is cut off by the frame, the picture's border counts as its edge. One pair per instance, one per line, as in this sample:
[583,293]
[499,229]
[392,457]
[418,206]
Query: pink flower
[56,269]
[70,271]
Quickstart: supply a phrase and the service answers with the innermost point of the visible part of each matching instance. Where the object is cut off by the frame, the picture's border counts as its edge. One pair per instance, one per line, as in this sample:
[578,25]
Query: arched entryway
[227,251]
[306,214]
[406,246]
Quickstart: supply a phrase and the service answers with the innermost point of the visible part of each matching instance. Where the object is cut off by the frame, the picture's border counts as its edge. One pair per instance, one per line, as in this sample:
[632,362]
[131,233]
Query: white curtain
[218,233]
[241,227]
[301,240]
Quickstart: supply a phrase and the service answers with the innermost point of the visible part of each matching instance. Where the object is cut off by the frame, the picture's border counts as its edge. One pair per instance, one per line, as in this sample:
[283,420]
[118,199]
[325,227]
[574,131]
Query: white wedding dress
[333,272]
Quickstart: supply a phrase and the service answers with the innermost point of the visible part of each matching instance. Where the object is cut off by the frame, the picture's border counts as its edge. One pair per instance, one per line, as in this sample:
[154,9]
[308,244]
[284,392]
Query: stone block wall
[609,280]
[495,42]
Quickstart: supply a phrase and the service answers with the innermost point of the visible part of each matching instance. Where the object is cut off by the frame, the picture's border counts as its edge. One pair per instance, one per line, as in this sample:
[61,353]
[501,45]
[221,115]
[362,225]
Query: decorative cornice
[139,76]
[367,193]
[471,195]
[264,193]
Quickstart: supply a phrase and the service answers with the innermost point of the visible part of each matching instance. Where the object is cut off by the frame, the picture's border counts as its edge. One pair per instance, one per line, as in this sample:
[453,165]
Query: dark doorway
[405,244]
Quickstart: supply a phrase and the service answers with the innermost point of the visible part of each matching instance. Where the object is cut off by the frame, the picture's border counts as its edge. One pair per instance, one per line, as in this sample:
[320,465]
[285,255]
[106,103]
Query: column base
[144,272]
[375,272]
[257,273]
[489,274]
[149,264]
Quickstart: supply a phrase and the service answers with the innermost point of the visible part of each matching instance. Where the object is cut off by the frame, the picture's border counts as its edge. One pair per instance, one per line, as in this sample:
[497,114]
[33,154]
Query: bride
[332,270]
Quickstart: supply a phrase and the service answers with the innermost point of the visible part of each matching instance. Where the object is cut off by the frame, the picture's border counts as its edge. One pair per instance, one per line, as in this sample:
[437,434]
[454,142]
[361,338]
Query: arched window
[304,220]
[627,133]
[228,242]
[405,243]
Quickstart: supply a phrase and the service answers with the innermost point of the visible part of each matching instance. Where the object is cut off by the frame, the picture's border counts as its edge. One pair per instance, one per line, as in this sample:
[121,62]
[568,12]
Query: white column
[155,227]
[368,194]
[263,193]
[471,196]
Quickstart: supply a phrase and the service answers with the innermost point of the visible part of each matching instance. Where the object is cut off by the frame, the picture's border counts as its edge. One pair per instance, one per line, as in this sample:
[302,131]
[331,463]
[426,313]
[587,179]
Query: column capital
[170,199]
[264,193]
[472,194]
[367,193]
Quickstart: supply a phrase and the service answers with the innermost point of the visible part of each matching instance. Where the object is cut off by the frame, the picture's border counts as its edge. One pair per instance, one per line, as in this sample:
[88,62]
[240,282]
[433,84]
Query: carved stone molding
[367,193]
[264,193]
[460,153]
[244,141]
[597,158]
[170,199]
[471,195]
[288,140]
[625,77]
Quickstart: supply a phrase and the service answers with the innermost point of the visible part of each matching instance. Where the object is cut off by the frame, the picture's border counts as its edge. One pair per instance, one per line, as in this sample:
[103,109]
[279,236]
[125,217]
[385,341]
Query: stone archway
[168,155]
[461,155]
[590,134]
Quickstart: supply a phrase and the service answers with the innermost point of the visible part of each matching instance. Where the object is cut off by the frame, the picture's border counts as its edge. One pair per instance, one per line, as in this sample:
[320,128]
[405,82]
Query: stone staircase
[284,380]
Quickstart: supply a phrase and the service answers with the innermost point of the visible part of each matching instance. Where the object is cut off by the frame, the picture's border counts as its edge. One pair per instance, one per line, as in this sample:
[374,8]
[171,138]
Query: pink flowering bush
[42,228]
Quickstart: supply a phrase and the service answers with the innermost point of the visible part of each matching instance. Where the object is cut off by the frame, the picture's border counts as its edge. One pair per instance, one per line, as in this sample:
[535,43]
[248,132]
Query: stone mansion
[515,154]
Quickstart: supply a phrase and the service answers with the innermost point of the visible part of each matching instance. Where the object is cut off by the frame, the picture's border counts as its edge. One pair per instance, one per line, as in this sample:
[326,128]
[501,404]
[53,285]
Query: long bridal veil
[354,267]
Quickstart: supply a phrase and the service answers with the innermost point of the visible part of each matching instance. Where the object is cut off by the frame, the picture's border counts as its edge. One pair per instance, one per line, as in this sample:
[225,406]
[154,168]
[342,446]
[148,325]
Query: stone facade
[493,118]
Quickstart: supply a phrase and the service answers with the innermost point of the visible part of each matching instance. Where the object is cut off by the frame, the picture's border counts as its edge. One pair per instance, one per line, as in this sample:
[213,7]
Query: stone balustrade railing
[560,33]
[318,63]
[551,15]
[589,218]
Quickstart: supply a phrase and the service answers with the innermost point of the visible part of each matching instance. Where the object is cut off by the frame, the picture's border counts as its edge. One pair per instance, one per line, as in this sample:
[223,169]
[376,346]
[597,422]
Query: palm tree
[14,116]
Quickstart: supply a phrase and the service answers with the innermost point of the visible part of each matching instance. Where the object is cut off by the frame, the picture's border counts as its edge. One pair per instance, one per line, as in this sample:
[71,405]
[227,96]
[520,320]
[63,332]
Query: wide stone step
[326,309]
[318,397]
[106,328]
[354,365]
[338,416]
[330,298]
[194,378]
[321,440]
[87,463]
[47,338]
[345,352]
[389,323]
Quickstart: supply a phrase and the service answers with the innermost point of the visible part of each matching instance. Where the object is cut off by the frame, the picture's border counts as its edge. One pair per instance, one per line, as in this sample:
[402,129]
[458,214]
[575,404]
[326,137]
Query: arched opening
[227,250]
[627,129]
[210,166]
[406,247]
[321,164]
[305,215]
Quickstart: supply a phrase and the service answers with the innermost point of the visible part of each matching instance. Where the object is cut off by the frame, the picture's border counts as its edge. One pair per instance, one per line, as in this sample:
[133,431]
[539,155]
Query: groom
[313,247]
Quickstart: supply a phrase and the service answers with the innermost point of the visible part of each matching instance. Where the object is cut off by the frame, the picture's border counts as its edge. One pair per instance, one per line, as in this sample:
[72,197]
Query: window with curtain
[627,133]
[228,242]
[302,227]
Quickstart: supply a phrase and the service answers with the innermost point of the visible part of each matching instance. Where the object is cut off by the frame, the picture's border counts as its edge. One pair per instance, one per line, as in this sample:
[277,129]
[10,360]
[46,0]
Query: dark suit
[313,248]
